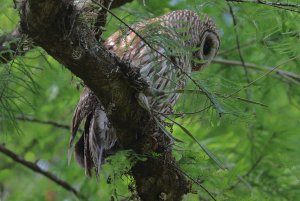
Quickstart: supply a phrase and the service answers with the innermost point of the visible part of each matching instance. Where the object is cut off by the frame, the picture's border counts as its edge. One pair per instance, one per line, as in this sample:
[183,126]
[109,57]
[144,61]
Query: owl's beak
[199,67]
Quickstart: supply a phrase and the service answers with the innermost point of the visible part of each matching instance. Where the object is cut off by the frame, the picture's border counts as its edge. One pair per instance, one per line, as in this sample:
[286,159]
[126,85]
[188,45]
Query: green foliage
[254,132]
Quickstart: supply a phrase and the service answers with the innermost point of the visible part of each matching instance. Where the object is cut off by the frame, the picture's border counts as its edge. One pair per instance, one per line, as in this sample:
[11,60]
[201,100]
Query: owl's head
[206,40]
[199,33]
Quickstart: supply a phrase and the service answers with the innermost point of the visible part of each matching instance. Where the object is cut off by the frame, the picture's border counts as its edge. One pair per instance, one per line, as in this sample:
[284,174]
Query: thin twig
[45,122]
[243,45]
[25,150]
[289,76]
[101,20]
[292,5]
[278,5]
[262,76]
[49,122]
[185,113]
[237,38]
[36,168]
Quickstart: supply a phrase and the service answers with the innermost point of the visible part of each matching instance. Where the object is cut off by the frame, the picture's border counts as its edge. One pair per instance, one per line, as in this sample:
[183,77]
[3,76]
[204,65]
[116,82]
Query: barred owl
[178,39]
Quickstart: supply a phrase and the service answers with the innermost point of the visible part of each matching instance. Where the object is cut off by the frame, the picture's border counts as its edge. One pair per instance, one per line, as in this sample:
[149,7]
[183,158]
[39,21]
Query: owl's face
[206,49]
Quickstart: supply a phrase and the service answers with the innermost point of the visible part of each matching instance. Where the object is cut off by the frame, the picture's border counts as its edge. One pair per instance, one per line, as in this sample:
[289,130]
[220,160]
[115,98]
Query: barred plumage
[178,38]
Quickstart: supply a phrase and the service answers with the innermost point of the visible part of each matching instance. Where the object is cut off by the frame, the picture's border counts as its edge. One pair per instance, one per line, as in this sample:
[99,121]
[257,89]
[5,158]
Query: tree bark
[54,26]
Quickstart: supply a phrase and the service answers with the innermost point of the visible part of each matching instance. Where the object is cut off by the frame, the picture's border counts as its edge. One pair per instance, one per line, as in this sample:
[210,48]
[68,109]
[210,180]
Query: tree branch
[237,38]
[287,76]
[280,5]
[27,148]
[49,122]
[35,168]
[291,5]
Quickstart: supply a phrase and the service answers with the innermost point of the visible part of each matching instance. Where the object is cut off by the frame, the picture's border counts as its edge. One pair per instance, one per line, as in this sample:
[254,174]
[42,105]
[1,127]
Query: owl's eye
[206,50]
[210,45]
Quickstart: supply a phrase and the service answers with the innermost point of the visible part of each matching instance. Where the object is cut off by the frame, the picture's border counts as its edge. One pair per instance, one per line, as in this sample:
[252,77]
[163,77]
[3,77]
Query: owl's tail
[102,138]
[98,138]
[84,109]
